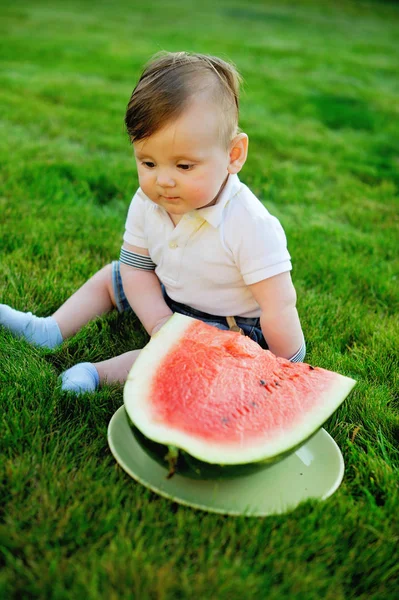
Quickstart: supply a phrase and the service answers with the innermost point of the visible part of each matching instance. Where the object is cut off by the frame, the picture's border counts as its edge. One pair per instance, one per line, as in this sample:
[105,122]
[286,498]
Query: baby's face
[183,166]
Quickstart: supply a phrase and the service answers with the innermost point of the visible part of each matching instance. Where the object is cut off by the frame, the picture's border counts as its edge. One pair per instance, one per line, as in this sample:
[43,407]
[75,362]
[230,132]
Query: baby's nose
[165,179]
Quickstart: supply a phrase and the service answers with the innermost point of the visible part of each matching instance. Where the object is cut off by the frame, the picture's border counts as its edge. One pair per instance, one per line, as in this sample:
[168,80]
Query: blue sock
[80,378]
[39,331]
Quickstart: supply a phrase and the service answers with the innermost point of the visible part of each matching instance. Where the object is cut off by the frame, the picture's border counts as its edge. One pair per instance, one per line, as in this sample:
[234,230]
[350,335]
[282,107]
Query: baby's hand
[160,324]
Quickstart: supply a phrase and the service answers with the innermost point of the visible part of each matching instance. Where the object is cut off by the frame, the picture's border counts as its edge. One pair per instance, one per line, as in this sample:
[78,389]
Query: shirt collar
[214,214]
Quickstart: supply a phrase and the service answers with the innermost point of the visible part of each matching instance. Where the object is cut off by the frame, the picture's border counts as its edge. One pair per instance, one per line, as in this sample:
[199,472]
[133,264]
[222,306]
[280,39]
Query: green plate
[314,471]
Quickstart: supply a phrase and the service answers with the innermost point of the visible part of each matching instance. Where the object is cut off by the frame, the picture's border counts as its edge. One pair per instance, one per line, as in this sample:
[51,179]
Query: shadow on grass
[338,112]
[103,338]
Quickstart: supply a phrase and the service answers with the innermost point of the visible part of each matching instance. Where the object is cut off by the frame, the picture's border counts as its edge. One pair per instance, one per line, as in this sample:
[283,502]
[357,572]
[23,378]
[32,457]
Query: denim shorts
[250,326]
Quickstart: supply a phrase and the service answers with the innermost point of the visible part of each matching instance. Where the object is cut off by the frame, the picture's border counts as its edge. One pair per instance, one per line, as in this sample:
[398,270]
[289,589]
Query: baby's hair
[170,80]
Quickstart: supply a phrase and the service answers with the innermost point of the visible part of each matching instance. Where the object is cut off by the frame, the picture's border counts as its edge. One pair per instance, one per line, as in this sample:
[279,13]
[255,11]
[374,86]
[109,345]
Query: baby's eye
[185,167]
[148,164]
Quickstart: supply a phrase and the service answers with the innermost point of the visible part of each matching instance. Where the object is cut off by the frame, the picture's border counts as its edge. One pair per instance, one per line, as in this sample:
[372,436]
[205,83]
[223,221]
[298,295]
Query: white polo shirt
[211,256]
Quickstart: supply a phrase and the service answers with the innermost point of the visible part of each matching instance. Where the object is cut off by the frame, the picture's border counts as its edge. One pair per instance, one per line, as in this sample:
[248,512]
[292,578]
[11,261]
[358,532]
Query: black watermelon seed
[262,382]
[311,368]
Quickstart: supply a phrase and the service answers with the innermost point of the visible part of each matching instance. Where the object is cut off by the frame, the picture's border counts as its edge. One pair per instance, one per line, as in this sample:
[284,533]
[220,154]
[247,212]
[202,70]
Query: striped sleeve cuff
[300,355]
[138,261]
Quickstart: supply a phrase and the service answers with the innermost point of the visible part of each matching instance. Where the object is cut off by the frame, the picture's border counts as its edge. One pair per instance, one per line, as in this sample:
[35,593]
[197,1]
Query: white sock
[39,331]
[80,378]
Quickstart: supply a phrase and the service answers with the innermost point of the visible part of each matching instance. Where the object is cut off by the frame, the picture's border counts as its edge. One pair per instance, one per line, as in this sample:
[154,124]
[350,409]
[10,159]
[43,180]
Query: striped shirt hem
[138,261]
[300,355]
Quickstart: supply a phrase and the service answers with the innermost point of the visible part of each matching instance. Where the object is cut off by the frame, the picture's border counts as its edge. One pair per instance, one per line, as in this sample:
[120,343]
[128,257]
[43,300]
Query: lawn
[320,105]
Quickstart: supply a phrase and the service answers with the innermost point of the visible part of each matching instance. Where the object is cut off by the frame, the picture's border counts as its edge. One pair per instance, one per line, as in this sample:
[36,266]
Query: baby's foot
[39,331]
[80,378]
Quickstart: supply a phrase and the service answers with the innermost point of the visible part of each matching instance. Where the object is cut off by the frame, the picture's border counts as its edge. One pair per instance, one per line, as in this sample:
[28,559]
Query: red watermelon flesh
[222,398]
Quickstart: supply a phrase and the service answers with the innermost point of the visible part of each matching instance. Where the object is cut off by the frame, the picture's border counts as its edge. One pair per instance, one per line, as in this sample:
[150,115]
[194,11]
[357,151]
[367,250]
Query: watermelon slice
[212,403]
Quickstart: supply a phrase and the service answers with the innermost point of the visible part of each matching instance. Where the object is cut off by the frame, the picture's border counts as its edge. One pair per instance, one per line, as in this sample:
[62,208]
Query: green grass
[320,105]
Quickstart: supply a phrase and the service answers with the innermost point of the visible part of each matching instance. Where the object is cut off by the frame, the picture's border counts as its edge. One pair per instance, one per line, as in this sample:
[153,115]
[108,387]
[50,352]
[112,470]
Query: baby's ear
[238,153]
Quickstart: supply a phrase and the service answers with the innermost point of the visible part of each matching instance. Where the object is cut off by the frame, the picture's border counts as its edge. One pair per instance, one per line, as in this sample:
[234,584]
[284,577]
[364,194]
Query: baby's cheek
[200,191]
[145,186]
[200,199]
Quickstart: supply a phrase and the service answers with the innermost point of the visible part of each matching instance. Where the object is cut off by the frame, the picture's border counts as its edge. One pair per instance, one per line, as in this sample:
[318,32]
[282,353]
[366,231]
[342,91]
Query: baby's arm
[144,294]
[279,319]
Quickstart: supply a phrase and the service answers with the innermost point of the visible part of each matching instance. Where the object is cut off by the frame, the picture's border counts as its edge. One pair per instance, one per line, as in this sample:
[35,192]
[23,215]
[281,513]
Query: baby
[197,241]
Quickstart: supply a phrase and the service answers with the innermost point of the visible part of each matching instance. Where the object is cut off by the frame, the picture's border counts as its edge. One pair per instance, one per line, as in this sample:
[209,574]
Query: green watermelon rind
[189,466]
[137,402]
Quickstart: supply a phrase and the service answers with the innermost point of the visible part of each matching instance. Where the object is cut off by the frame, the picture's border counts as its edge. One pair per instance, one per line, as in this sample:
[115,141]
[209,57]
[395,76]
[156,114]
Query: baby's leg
[93,299]
[86,377]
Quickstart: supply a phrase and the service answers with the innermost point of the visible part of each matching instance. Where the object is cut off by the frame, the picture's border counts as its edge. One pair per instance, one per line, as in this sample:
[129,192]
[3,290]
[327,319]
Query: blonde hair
[168,83]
